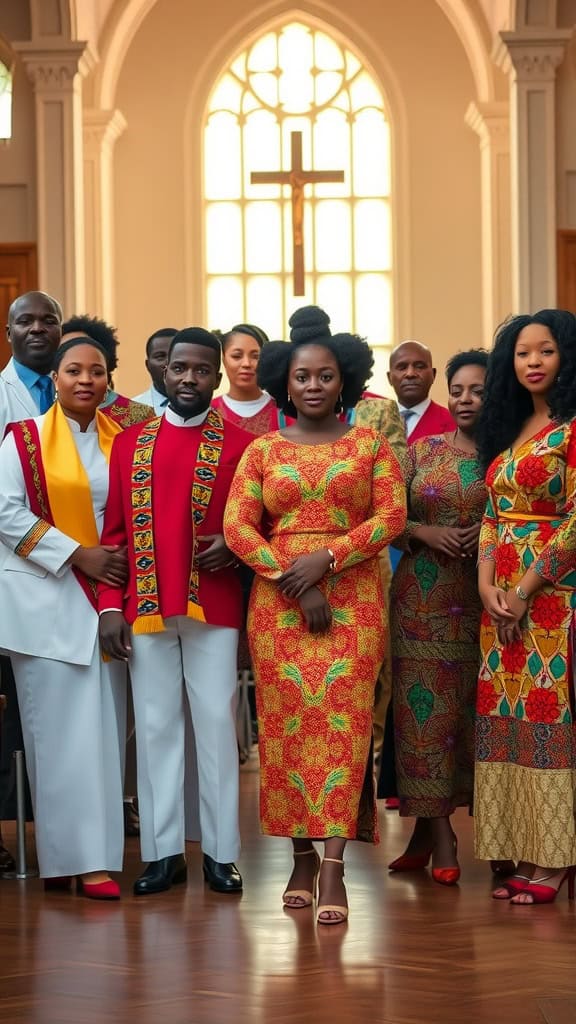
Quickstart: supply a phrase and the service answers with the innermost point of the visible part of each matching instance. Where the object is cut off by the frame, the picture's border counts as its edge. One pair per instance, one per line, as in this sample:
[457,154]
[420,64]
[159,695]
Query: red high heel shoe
[513,885]
[58,884]
[108,890]
[447,876]
[411,861]
[546,893]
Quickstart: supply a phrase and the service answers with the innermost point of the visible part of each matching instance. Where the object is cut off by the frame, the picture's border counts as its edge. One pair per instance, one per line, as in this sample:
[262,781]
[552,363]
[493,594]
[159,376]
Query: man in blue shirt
[34,330]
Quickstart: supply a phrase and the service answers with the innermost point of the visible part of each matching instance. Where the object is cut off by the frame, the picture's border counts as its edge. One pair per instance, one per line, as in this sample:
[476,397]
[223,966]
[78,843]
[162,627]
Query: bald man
[33,330]
[412,375]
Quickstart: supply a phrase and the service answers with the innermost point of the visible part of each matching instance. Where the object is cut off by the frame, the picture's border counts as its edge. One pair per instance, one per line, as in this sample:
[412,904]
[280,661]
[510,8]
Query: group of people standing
[125,541]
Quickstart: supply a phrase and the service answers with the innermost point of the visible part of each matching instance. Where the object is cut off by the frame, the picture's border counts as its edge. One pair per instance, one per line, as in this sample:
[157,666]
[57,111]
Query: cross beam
[296,178]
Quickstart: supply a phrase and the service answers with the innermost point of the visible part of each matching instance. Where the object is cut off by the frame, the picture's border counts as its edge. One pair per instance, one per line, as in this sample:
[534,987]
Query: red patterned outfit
[262,422]
[315,692]
[525,785]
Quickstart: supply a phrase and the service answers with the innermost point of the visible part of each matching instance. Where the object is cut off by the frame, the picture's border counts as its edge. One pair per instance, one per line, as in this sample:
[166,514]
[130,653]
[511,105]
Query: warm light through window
[5,102]
[299,79]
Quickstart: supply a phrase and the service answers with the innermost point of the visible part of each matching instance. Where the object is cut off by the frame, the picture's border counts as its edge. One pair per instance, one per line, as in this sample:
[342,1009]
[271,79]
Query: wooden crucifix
[296,178]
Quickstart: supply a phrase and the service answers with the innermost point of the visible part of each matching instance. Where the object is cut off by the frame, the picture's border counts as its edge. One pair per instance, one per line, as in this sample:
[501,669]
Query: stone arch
[467,20]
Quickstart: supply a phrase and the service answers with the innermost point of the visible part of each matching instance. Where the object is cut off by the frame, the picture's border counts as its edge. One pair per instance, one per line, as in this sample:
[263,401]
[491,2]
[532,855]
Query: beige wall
[439,237]
[17,160]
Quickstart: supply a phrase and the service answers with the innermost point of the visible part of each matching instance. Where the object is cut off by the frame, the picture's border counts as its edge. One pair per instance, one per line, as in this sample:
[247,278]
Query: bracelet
[332,566]
[522,593]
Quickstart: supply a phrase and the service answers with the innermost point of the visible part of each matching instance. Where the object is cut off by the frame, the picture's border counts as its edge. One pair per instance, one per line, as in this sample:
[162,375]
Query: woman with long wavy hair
[525,737]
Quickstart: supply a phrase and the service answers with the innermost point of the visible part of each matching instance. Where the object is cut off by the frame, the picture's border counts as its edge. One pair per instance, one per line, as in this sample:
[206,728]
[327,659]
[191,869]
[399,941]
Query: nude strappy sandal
[342,912]
[305,895]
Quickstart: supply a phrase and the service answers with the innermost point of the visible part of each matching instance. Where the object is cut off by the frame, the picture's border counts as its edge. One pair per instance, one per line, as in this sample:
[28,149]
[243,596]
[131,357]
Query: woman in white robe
[53,490]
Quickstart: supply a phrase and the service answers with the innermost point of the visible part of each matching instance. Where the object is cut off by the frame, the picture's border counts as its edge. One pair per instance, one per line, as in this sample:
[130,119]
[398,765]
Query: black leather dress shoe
[161,875]
[221,877]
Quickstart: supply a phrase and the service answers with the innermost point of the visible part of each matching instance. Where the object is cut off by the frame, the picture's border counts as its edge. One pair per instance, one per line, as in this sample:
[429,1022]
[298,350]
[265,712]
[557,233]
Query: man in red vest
[177,621]
[412,375]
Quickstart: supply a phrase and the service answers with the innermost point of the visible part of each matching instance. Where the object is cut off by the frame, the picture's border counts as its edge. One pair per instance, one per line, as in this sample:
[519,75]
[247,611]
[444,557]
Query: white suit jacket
[16,402]
[43,610]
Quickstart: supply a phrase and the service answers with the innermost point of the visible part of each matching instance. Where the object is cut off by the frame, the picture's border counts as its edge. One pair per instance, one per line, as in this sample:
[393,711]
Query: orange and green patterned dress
[525,776]
[315,692]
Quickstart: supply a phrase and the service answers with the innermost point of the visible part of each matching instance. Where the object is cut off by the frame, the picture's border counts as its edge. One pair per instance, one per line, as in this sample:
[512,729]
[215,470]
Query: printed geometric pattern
[435,617]
[525,721]
[526,814]
[315,692]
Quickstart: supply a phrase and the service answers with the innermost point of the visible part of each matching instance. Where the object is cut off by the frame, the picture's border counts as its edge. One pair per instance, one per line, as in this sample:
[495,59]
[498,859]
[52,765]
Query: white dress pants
[194,661]
[74,727]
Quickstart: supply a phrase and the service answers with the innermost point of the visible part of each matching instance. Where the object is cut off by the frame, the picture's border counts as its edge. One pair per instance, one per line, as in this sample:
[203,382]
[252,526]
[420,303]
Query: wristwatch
[521,593]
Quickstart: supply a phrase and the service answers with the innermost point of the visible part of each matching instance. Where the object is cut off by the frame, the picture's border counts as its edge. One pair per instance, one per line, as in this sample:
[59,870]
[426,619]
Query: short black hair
[259,336]
[97,329]
[310,326]
[164,332]
[197,336]
[73,343]
[507,404]
[473,357]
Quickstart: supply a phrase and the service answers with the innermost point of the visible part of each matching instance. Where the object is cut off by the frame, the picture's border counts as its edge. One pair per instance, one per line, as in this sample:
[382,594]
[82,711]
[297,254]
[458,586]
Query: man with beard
[176,622]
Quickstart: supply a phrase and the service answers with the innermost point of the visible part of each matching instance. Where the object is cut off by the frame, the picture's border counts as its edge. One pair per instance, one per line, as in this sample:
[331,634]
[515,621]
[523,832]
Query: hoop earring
[339,407]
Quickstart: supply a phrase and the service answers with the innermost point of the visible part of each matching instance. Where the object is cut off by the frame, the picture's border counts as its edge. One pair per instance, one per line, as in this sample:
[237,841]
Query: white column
[101,129]
[56,73]
[491,123]
[531,57]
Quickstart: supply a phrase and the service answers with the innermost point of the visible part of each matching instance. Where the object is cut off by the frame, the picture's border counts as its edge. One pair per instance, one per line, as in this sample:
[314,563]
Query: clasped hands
[454,541]
[506,609]
[298,583]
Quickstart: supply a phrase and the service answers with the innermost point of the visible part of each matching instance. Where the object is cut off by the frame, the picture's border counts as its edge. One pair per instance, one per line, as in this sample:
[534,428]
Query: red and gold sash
[56,482]
[148,616]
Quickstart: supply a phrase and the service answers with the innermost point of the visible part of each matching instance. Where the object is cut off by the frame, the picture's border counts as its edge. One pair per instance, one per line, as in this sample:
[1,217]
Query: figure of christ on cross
[296,178]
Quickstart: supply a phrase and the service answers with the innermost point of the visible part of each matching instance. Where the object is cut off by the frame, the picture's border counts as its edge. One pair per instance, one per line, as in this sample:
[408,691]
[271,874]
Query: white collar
[179,421]
[77,429]
[416,410]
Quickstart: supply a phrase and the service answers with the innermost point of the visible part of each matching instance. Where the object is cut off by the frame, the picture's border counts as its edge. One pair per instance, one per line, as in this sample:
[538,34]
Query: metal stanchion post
[21,869]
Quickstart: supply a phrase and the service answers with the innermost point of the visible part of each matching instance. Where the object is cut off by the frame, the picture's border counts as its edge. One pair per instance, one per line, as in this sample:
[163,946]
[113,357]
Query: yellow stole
[67,483]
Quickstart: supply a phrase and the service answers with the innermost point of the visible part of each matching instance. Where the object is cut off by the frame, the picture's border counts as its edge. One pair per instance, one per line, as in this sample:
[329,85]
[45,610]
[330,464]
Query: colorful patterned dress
[315,692]
[435,620]
[525,743]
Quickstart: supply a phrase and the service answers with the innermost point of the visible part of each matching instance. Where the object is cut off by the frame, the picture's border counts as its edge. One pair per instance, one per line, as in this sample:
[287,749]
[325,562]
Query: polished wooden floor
[412,953]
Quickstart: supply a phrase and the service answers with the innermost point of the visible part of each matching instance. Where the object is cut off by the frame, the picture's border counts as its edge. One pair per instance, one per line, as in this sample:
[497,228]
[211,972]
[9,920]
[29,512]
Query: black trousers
[11,741]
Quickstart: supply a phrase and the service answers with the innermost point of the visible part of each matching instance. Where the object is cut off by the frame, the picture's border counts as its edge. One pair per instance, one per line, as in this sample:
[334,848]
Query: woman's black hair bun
[308,323]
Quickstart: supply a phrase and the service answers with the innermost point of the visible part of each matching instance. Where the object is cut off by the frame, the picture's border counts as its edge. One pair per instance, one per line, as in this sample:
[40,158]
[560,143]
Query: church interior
[130,132]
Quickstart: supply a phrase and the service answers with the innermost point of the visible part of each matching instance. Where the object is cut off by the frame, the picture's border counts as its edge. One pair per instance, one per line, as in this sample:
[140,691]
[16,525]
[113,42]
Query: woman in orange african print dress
[332,497]
[525,738]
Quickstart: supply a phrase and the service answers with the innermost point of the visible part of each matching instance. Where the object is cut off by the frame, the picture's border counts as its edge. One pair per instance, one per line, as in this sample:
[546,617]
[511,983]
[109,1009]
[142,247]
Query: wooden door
[567,270]
[18,274]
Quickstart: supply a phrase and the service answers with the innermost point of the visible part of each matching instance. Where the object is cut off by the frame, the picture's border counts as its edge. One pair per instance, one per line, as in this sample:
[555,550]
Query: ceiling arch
[467,18]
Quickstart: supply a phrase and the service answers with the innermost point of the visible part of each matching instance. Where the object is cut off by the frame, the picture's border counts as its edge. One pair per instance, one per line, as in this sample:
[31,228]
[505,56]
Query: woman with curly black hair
[525,739]
[310,507]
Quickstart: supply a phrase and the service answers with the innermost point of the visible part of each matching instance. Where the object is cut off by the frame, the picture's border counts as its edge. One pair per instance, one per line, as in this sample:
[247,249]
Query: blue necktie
[46,389]
[406,415]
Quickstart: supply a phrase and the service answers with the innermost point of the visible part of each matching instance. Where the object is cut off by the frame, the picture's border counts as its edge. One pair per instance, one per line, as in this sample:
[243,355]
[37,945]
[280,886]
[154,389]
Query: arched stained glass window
[5,102]
[298,79]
